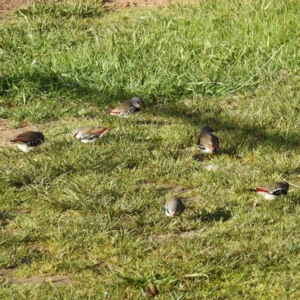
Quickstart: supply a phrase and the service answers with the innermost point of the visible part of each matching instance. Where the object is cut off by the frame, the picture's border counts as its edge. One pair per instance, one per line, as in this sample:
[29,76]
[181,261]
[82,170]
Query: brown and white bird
[174,207]
[128,107]
[208,142]
[28,140]
[272,190]
[89,134]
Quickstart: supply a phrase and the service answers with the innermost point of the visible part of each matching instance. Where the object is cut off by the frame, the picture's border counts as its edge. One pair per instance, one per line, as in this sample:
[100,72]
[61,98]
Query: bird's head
[77,133]
[138,102]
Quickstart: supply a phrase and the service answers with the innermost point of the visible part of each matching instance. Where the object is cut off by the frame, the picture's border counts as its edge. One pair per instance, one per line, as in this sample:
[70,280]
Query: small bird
[28,140]
[272,190]
[89,134]
[128,107]
[208,142]
[174,207]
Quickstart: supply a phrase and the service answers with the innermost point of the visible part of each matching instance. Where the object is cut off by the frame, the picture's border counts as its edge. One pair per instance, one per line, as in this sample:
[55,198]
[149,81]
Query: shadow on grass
[295,200]
[5,216]
[38,83]
[201,157]
[219,215]
[60,86]
[245,132]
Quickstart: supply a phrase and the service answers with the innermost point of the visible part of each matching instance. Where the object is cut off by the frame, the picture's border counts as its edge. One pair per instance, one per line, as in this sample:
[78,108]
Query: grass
[95,212]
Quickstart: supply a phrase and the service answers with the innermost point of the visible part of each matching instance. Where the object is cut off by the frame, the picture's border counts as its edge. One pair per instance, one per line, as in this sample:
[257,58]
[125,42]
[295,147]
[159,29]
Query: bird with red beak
[89,134]
[208,142]
[272,190]
[174,207]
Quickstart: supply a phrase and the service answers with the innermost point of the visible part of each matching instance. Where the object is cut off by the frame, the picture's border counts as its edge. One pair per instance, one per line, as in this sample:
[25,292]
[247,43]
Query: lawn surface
[93,213]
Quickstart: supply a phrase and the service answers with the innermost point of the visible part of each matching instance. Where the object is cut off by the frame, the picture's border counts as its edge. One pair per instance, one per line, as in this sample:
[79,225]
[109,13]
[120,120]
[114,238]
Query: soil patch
[6,133]
[11,5]
[59,280]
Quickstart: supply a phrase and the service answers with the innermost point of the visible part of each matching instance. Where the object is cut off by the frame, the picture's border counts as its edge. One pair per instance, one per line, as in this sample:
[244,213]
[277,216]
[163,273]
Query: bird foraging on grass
[128,107]
[174,207]
[208,142]
[28,140]
[272,190]
[89,134]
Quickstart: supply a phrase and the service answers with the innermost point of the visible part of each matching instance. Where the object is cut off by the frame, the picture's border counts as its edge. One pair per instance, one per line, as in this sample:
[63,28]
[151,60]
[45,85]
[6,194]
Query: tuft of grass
[94,212]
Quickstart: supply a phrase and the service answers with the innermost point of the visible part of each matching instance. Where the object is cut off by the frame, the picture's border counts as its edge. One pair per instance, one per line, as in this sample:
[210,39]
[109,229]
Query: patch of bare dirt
[6,133]
[11,5]
[59,280]
[143,3]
